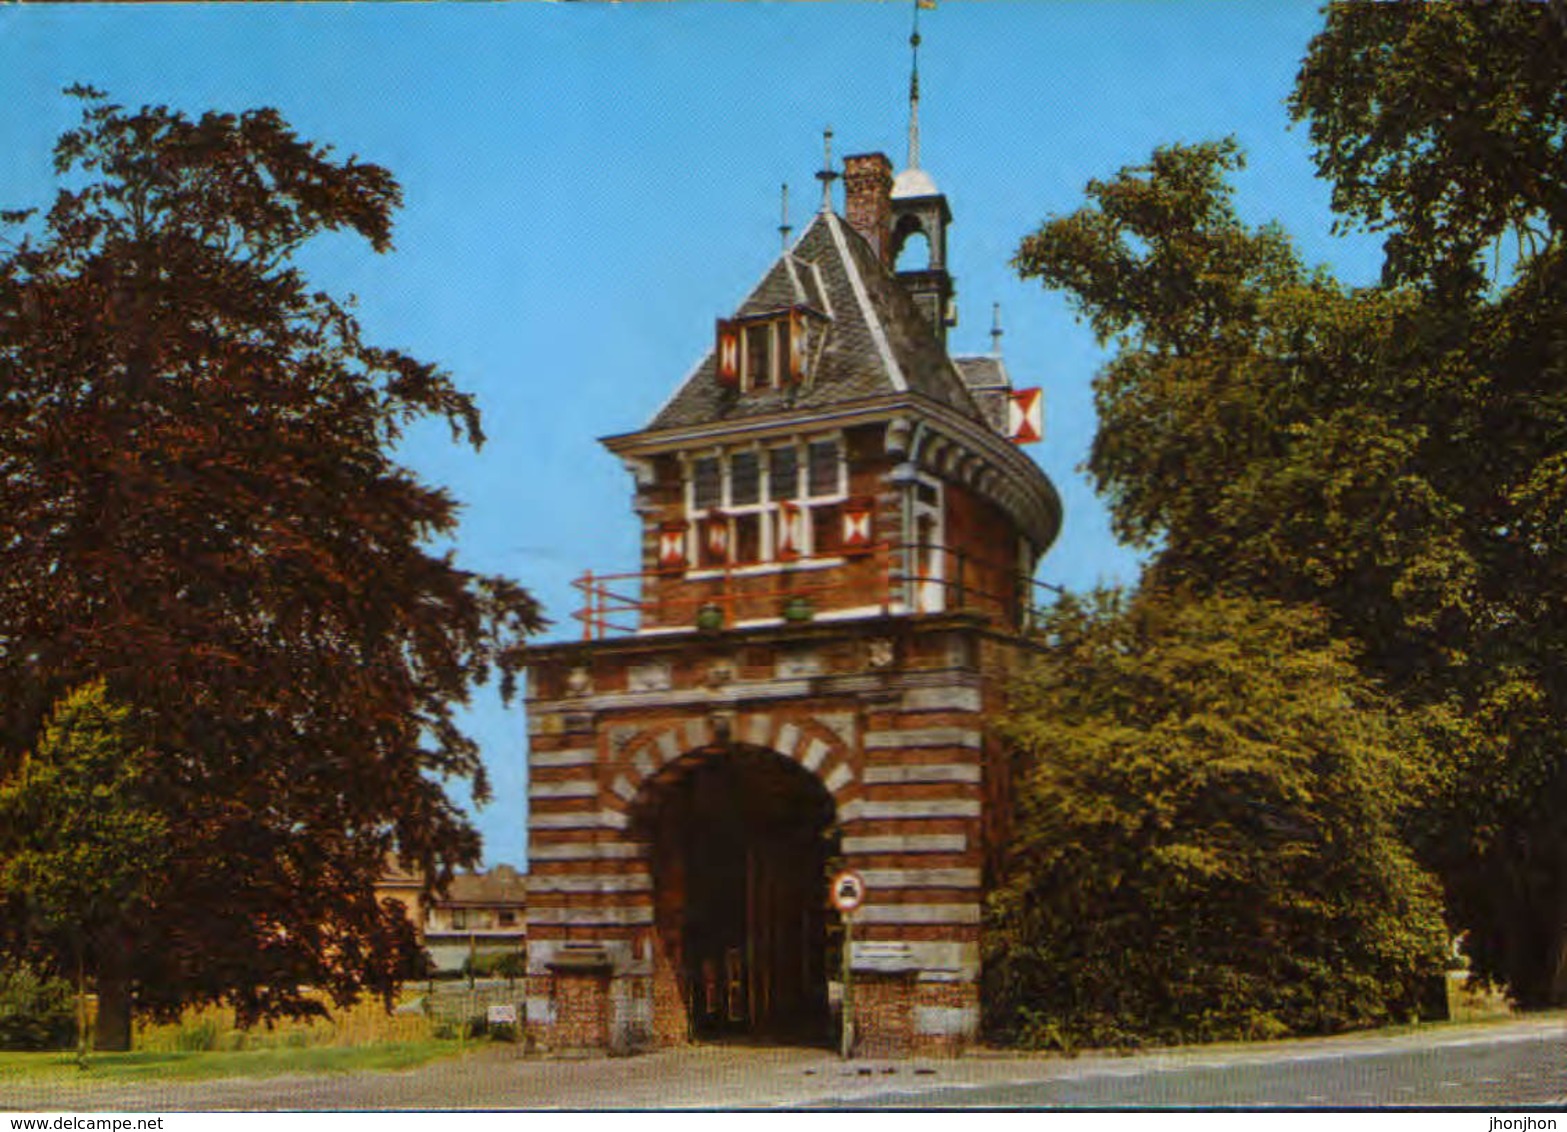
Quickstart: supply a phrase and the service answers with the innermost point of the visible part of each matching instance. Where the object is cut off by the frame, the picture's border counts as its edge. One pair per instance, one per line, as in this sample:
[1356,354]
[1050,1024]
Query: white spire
[914,181]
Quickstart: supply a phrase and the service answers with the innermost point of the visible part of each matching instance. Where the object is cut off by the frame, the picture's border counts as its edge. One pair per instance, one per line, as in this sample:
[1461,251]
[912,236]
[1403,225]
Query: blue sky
[587,186]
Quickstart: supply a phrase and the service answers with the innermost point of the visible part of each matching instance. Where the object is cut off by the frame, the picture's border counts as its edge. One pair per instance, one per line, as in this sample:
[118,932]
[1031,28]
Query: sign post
[848,893]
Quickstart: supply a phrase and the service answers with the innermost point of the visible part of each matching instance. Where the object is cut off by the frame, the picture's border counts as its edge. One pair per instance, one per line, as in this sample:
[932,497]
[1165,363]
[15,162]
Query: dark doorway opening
[742,841]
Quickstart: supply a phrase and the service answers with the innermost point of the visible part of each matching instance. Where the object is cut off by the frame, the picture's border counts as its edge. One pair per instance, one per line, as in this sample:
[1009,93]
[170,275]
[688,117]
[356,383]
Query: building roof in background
[500,885]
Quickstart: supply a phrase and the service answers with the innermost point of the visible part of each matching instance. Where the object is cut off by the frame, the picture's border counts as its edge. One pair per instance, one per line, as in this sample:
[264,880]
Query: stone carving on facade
[719,673]
[579,681]
[655,676]
[799,663]
[879,652]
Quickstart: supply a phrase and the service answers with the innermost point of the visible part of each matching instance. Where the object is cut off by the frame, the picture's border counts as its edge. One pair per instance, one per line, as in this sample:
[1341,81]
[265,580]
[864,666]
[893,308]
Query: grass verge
[197,1065]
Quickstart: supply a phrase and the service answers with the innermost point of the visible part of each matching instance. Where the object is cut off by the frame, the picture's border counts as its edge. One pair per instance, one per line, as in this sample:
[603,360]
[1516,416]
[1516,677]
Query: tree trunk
[113,1028]
[1556,987]
[81,1009]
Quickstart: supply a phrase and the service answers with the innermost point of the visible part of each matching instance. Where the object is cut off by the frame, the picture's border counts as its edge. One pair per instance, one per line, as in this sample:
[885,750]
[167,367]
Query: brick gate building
[839,537]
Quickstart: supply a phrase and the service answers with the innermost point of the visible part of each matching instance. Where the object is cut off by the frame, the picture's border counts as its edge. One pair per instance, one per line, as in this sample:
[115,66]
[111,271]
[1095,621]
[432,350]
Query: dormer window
[763,354]
[769,351]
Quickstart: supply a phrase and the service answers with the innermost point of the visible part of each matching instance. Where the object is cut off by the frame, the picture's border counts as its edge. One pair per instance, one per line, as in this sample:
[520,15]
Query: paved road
[1517,1067]
[1496,1066]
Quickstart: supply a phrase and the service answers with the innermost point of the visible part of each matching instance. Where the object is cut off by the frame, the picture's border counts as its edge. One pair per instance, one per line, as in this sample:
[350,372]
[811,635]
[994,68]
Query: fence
[887,578]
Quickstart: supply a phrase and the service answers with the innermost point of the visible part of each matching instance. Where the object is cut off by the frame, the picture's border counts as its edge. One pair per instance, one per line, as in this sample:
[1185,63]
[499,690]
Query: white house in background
[481,914]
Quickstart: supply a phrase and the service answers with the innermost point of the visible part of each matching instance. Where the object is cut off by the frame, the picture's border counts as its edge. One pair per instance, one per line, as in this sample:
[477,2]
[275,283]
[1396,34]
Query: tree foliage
[1208,841]
[201,506]
[83,849]
[82,845]
[1261,425]
[1394,454]
[35,1009]
[1443,125]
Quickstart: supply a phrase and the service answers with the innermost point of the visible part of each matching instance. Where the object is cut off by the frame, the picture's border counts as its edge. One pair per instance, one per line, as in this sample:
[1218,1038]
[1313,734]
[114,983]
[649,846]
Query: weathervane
[995,329]
[783,220]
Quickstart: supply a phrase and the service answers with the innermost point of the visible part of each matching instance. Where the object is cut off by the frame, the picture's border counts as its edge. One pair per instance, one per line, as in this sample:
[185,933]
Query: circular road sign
[848,890]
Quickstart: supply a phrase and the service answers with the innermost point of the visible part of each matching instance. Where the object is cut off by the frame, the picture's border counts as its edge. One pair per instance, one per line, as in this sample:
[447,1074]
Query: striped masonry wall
[902,751]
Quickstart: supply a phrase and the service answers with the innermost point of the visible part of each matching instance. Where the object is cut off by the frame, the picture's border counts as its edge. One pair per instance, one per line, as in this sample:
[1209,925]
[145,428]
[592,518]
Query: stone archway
[740,839]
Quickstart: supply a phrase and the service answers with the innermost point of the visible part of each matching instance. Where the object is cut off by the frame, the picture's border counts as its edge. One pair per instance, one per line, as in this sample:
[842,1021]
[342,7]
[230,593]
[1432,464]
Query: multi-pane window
[745,478]
[762,354]
[783,472]
[755,505]
[823,476]
[706,482]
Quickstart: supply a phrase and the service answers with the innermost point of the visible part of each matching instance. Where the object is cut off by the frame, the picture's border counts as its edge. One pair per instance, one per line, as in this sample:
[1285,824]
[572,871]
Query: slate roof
[987,380]
[981,371]
[878,342]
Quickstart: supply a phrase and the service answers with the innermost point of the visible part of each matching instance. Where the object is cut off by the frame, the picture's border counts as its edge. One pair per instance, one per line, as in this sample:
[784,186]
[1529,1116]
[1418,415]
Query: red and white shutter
[1026,416]
[791,531]
[672,546]
[796,346]
[728,352]
[857,525]
[717,536]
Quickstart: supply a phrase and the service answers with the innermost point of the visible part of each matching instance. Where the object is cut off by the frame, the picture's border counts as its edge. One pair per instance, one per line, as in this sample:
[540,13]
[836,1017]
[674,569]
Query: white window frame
[928,591]
[777,329]
[766,507]
[761,509]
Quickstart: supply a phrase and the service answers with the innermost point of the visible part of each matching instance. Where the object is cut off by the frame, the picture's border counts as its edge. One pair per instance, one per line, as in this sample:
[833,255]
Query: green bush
[37,1011]
[1207,842]
[512,965]
[495,964]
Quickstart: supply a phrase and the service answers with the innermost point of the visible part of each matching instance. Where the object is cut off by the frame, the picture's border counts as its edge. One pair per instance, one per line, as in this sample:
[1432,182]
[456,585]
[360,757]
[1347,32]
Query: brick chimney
[867,192]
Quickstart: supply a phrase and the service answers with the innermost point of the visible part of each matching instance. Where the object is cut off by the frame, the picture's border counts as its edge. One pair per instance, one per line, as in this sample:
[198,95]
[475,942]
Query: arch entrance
[741,841]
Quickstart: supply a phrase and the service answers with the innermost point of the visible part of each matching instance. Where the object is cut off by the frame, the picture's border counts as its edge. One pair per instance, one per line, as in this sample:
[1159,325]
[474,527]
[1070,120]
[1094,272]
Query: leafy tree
[82,849]
[201,505]
[1260,425]
[1207,841]
[1394,454]
[35,1008]
[1445,126]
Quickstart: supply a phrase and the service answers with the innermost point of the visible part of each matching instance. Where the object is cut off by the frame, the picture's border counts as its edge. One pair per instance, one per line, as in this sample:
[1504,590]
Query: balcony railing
[884,579]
